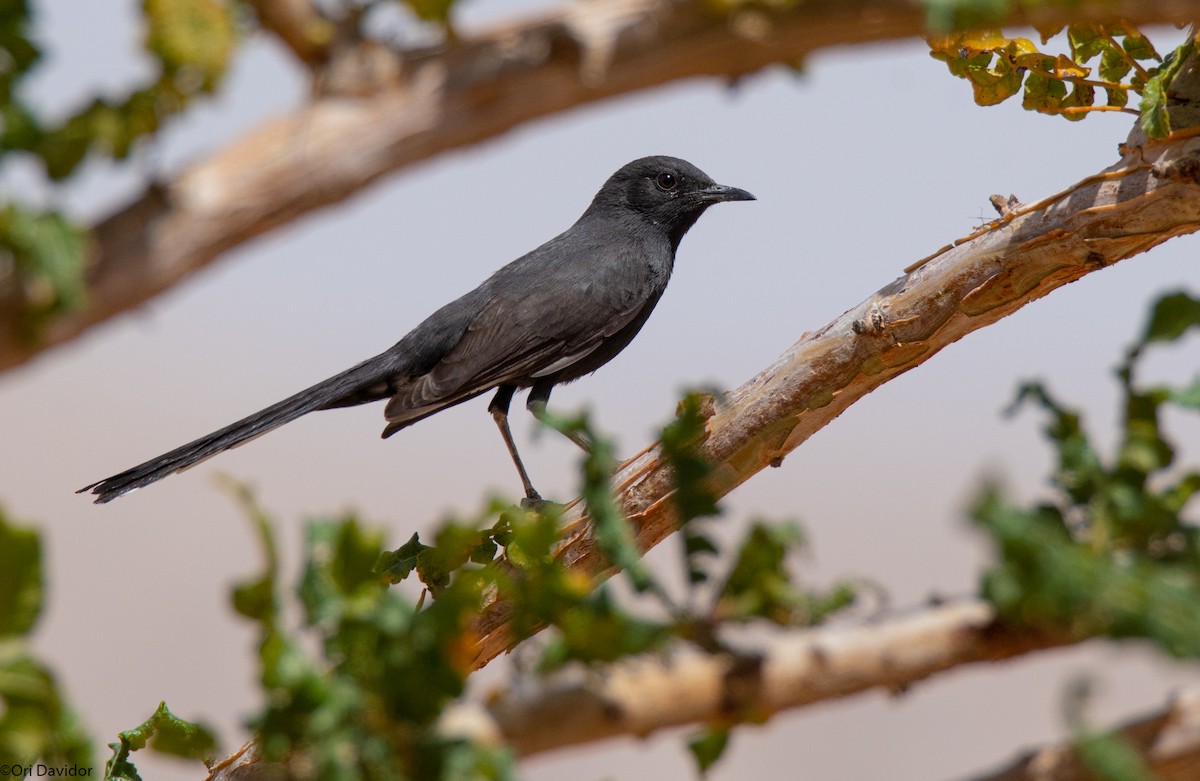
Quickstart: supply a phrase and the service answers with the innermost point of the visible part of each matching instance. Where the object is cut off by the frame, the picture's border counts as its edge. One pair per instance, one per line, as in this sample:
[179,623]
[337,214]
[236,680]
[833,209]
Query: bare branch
[299,25]
[1169,742]
[642,695]
[1151,195]
[400,109]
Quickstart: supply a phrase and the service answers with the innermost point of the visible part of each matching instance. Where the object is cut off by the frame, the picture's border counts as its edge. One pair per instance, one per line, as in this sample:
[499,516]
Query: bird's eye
[666,181]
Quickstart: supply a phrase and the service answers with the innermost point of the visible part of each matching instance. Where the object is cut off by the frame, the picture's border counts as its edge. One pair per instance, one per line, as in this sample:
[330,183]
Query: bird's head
[664,191]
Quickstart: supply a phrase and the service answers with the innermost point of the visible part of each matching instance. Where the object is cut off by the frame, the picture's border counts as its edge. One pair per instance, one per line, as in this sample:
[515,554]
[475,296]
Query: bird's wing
[515,338]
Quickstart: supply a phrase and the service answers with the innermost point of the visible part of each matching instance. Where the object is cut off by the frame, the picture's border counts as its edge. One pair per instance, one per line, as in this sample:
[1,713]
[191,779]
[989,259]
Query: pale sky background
[870,159]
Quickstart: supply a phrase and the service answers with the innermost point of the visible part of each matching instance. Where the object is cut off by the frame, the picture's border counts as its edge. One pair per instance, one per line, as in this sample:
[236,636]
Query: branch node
[1184,169]
[1005,207]
[742,686]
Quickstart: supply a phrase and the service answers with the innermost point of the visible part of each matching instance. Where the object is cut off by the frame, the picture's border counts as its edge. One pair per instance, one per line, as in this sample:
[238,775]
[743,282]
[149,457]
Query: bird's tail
[366,382]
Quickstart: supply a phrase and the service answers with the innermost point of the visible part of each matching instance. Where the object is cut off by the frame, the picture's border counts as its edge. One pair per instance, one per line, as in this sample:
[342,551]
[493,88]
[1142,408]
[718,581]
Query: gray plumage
[549,317]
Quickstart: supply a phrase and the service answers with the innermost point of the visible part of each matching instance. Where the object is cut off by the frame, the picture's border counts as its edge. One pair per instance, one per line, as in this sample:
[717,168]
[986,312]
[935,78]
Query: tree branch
[404,107]
[790,669]
[1149,196]
[1169,742]
[299,25]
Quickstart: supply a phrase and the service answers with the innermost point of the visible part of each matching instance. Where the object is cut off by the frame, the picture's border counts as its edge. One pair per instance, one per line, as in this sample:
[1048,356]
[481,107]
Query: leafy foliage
[1113,552]
[364,707]
[36,723]
[192,43]
[1100,57]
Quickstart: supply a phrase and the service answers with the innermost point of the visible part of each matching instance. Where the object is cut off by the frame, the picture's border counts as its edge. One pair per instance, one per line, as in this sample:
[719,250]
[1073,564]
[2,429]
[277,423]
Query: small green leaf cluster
[1100,57]
[1105,755]
[163,732]
[36,722]
[47,253]
[1113,552]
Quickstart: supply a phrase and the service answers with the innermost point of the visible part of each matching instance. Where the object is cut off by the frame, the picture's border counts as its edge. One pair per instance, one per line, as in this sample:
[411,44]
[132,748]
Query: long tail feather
[353,386]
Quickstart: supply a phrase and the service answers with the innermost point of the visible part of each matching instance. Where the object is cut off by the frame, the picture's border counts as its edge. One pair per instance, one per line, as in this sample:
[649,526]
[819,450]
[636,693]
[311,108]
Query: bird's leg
[499,410]
[539,395]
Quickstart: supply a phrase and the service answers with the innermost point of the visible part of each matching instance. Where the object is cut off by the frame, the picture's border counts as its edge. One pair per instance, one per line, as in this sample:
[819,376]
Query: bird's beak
[722,192]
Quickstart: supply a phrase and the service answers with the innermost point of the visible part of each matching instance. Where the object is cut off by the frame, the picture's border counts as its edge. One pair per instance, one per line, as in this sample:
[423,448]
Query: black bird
[549,317]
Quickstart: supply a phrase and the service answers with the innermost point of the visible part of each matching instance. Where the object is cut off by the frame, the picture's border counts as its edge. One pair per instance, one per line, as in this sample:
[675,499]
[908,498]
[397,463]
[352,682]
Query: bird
[549,317]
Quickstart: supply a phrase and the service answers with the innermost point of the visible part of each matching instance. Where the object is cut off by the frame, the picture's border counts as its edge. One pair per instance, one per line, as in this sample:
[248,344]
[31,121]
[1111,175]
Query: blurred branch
[1149,196]
[791,669]
[1168,741]
[299,25]
[378,111]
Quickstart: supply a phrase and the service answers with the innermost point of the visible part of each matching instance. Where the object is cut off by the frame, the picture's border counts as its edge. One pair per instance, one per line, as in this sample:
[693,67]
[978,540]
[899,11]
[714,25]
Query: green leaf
[696,548]
[20,578]
[163,732]
[694,498]
[1045,579]
[1116,97]
[1043,93]
[196,36]
[36,723]
[680,442]
[19,128]
[48,252]
[1139,47]
[758,584]
[1155,119]
[1112,758]
[708,746]
[432,10]
[1086,41]
[396,565]
[1187,397]
[1079,467]
[256,599]
[1172,316]
[1114,65]
[597,630]
[16,41]
[1080,96]
[613,535]
[1143,450]
[995,84]
[945,15]
[340,569]
[461,760]
[453,547]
